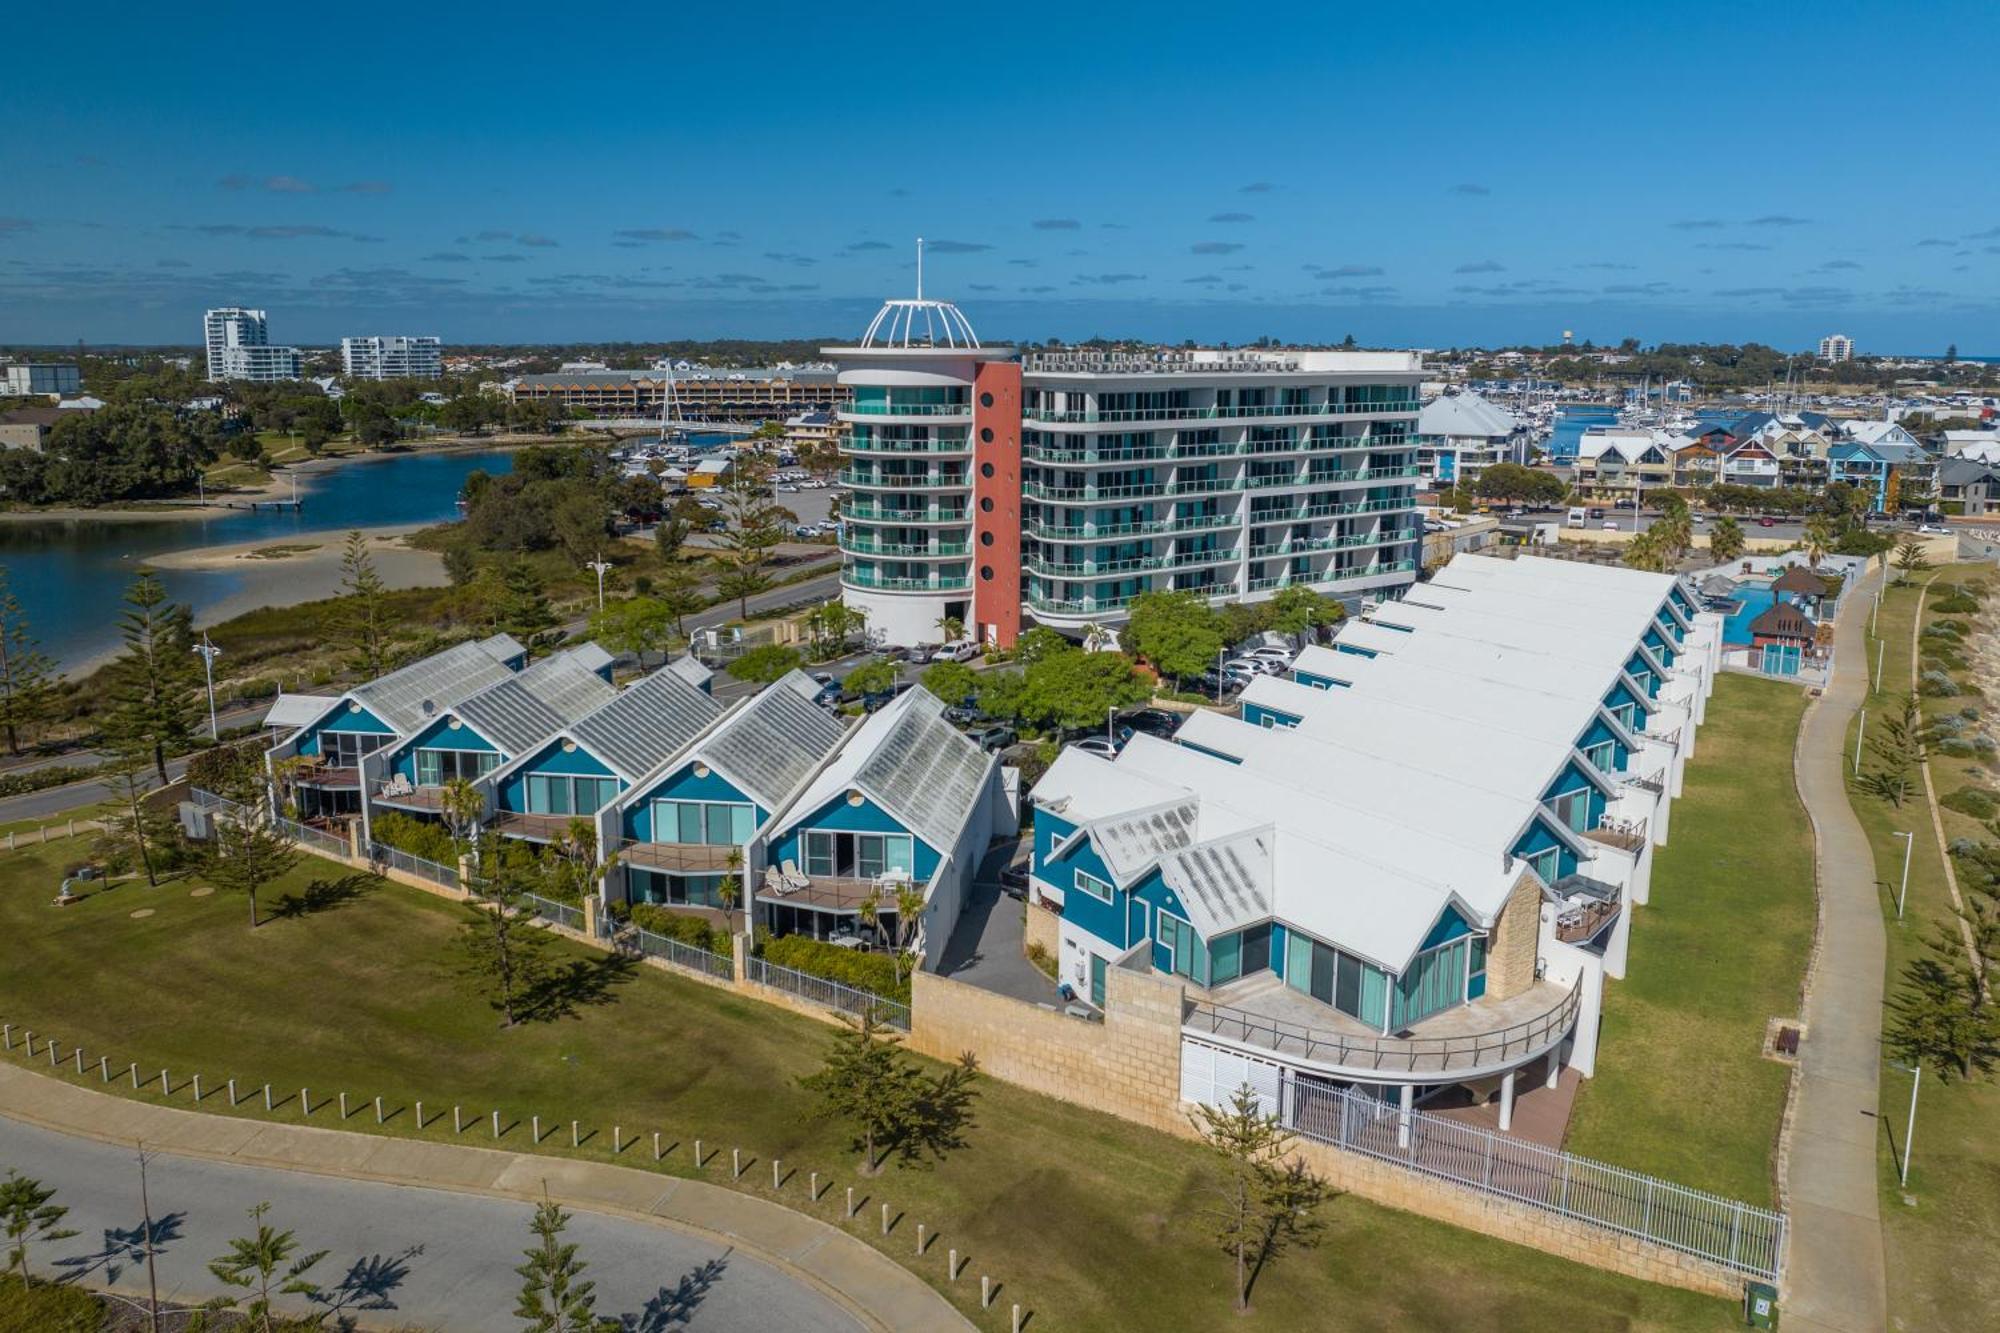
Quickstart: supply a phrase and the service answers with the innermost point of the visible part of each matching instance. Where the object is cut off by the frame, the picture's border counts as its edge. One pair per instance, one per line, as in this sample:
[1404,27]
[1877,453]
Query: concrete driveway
[985,946]
[398,1255]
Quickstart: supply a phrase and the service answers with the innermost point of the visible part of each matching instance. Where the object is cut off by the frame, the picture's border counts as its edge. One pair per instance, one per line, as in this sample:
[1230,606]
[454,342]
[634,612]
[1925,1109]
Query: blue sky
[1428,175]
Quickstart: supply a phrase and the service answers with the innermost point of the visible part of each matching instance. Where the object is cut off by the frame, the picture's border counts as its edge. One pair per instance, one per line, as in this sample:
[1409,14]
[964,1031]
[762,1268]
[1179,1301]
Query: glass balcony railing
[1060,532]
[1138,564]
[1406,406]
[1334,575]
[859,443]
[878,409]
[860,545]
[865,512]
[1299,546]
[913,481]
[1332,510]
[855,578]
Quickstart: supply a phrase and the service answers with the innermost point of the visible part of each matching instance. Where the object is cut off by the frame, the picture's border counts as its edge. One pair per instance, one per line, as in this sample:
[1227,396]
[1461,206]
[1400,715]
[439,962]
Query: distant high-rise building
[392,358]
[42,379]
[239,347]
[1836,347]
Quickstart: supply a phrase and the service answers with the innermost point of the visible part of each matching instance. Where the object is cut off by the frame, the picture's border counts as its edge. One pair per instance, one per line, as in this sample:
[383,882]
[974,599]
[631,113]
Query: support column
[1555,1069]
[1408,1099]
[1507,1101]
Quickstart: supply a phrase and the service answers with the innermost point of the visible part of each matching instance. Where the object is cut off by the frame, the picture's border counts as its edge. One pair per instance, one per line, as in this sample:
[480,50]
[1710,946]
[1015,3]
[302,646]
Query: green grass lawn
[1939,1246]
[1090,1221]
[1682,1089]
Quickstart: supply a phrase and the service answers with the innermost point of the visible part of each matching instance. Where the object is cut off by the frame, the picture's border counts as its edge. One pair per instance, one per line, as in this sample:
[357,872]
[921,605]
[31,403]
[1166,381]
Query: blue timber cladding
[551,758]
[1636,667]
[1109,922]
[1260,716]
[1152,891]
[1317,682]
[345,718]
[866,817]
[1665,620]
[1600,732]
[1572,779]
[1450,925]
[1680,599]
[1350,648]
[682,785]
[1658,643]
[440,735]
[1539,838]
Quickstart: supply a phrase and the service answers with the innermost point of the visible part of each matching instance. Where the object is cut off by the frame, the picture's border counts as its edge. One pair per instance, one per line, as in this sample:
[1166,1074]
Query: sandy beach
[305,566]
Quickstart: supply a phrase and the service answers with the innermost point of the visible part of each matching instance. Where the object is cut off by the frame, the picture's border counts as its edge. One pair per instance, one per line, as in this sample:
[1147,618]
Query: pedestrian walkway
[1835,1278]
[874,1288]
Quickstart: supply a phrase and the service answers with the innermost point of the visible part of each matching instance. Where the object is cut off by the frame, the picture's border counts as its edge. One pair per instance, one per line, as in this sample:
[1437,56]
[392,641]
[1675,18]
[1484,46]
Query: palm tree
[951,627]
[909,915]
[1818,540]
[1096,638]
[731,887]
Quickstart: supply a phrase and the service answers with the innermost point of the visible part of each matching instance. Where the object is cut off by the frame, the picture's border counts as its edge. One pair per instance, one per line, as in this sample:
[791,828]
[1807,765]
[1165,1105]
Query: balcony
[1584,921]
[314,772]
[399,793]
[860,409]
[1334,543]
[1473,1040]
[864,512]
[1256,412]
[1138,564]
[1036,490]
[904,481]
[830,893]
[855,578]
[536,828]
[864,444]
[1331,509]
[1627,835]
[682,857]
[937,551]
[1376,570]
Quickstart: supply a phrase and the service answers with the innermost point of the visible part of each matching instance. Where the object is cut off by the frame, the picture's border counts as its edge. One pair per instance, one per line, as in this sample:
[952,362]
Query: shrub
[1956,747]
[38,779]
[1937,685]
[50,1307]
[872,972]
[1971,801]
[663,920]
[1959,602]
[1970,713]
[419,837]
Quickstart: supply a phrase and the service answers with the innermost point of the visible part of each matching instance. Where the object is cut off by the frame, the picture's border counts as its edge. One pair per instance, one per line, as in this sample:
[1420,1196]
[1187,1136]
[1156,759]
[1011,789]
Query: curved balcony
[1256,412]
[1331,510]
[1057,532]
[862,512]
[1379,569]
[911,481]
[859,443]
[855,578]
[1038,564]
[855,544]
[1469,1041]
[925,411]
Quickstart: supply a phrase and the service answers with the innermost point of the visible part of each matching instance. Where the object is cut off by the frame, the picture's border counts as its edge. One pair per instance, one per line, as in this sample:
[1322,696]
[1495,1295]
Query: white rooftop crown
[917,322]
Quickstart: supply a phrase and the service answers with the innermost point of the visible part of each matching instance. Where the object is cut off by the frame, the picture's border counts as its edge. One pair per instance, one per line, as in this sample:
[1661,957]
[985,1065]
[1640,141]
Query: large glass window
[859,855]
[1093,886]
[1603,756]
[712,823]
[1547,863]
[1354,987]
[563,794]
[1186,955]
[437,767]
[1435,981]
[1573,809]
[343,749]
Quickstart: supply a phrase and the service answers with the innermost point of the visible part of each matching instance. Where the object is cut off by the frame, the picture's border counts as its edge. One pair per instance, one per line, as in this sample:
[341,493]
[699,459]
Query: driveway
[985,946]
[398,1255]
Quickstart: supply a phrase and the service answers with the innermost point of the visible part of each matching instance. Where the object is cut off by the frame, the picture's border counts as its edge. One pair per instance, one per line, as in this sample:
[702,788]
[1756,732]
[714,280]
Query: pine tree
[267,1263]
[152,682]
[1263,1204]
[889,1104]
[28,1216]
[503,953]
[555,1298]
[756,526]
[361,616]
[27,676]
[247,852]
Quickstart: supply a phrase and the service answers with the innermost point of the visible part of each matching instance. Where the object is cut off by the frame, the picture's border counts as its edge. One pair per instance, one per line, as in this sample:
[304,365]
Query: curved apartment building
[988,486]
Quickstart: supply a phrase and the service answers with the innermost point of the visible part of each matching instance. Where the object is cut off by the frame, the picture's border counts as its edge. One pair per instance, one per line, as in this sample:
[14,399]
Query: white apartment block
[42,380]
[239,348]
[1836,347]
[392,358]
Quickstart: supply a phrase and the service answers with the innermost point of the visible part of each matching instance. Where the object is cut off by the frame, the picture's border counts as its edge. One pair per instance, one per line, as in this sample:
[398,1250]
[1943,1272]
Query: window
[437,767]
[1354,987]
[1603,757]
[1093,886]
[1547,863]
[1435,981]
[1185,954]
[561,794]
[1225,959]
[1573,809]
[710,823]
[859,855]
[343,749]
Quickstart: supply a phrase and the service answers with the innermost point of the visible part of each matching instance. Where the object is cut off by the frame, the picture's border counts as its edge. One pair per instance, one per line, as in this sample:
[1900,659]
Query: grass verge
[1682,1089]
[1093,1222]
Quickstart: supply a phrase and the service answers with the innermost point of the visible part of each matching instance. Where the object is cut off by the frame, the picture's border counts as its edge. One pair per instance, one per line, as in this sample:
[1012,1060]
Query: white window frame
[1083,879]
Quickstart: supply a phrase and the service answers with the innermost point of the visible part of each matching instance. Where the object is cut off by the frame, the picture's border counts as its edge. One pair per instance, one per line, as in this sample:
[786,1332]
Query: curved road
[398,1254]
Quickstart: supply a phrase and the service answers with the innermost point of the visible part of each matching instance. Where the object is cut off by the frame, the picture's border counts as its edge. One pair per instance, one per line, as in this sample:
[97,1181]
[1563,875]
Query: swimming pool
[1752,600]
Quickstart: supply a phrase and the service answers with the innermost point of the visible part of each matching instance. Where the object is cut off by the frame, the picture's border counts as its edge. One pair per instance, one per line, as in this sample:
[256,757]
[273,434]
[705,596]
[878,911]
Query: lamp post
[1110,723]
[601,565]
[1916,1073]
[209,652]
[1909,841]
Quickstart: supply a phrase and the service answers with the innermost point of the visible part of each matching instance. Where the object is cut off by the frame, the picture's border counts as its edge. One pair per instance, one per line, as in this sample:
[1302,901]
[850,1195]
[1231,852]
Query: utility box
[1760,1305]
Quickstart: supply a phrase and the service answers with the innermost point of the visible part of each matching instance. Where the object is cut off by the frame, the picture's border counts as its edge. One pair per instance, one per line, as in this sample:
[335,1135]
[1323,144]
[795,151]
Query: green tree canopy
[1176,632]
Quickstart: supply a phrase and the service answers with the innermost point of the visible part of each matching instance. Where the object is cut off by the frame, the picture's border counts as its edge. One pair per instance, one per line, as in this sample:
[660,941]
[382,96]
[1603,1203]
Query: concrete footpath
[1835,1278]
[876,1290]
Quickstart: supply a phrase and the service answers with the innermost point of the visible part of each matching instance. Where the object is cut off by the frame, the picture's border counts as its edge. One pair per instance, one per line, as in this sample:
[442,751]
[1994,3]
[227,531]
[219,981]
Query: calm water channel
[69,576]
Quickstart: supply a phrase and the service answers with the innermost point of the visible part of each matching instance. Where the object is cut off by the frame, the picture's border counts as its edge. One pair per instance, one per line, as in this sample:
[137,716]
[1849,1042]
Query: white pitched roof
[906,758]
[1463,415]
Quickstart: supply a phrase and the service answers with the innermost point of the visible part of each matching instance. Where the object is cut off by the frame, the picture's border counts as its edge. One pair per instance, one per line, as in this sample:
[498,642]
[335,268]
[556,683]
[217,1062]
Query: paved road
[429,1257]
[1835,1278]
[985,945]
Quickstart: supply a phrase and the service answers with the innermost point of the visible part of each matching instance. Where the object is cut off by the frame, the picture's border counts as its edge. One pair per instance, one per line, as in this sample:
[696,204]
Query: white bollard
[656,1145]
[697,1155]
[267,1096]
[197,1088]
[815,1187]
[985,1292]
[1017,1317]
[378,1110]
[52,1052]
[574,1141]
[617,1140]
[135,1076]
[496,1124]
[7,1029]
[79,1059]
[736,1164]
[232,1092]
[305,1101]
[920,1240]
[885,1219]
[166,1087]
[457,1124]
[850,1201]
[420,1115]
[104,1068]
[951,1266]
[535,1129]
[775,1178]
[343,1107]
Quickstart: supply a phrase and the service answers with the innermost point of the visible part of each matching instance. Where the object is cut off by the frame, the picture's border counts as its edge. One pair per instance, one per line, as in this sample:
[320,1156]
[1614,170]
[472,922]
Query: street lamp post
[1916,1073]
[601,565]
[1110,723]
[209,652]
[1909,841]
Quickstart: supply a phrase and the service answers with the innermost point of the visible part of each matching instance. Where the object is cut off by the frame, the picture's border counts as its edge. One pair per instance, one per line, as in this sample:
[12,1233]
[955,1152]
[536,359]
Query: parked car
[962,651]
[1152,721]
[1096,745]
[964,716]
[1252,666]
[1014,882]
[1597,513]
[1766,521]
[1272,653]
[996,738]
[1934,530]
[1610,526]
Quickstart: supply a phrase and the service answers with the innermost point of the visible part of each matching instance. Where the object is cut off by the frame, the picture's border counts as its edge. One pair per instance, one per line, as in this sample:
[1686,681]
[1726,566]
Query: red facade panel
[996,502]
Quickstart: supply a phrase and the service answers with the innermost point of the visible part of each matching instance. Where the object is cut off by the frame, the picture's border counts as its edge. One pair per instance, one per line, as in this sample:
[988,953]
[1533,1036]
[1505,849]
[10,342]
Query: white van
[1577,518]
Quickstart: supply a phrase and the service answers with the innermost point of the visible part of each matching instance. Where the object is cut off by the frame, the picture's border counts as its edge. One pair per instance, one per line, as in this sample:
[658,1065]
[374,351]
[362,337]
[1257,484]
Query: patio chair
[793,879]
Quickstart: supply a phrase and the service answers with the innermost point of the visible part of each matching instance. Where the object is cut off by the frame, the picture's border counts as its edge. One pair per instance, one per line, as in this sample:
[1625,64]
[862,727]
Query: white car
[1272,653]
[962,651]
[1251,666]
[1934,530]
[1096,745]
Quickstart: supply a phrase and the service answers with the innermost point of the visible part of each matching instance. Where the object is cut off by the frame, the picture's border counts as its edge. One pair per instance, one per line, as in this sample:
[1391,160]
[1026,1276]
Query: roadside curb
[869,1285]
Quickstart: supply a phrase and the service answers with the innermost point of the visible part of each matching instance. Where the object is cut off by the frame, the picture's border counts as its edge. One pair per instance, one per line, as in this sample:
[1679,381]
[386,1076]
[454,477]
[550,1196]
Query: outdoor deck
[832,893]
[534,828]
[686,857]
[428,799]
[1464,1041]
[326,775]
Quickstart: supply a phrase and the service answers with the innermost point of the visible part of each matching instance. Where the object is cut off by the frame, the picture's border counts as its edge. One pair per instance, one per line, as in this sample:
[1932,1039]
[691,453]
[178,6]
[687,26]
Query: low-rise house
[1870,467]
[1624,463]
[1460,435]
[1969,486]
[1409,867]
[28,427]
[321,758]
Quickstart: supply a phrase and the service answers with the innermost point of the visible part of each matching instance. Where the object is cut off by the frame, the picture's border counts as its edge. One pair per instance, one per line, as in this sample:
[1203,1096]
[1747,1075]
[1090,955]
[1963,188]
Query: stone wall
[1129,1065]
[1043,927]
[1510,955]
